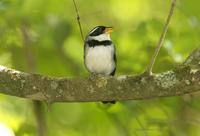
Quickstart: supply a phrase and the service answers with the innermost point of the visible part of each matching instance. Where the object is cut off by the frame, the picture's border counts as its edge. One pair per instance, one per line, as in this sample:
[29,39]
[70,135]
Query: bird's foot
[94,76]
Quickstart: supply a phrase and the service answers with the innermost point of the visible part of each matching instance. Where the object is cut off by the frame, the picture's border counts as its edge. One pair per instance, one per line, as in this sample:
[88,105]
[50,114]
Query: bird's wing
[115,60]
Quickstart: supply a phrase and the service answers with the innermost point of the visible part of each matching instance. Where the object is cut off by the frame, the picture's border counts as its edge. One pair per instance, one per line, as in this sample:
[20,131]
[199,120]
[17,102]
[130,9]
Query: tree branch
[178,81]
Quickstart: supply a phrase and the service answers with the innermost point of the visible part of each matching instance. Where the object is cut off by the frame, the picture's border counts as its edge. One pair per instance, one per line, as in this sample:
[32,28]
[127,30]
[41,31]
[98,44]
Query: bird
[100,52]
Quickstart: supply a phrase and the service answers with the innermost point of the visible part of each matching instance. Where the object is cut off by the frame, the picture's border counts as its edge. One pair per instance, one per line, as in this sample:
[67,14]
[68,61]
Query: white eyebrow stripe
[93,30]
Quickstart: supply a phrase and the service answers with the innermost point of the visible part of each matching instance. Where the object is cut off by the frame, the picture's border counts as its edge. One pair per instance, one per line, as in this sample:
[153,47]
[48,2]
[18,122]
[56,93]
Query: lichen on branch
[181,80]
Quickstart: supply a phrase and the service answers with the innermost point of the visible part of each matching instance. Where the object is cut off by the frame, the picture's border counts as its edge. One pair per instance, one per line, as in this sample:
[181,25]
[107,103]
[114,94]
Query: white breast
[100,59]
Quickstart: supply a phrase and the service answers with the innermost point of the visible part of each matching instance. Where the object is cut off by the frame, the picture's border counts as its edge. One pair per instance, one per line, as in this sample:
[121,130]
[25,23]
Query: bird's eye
[102,29]
[99,30]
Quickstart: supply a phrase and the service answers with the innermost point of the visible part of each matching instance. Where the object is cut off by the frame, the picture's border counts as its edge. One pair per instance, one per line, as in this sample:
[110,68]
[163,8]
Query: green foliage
[46,32]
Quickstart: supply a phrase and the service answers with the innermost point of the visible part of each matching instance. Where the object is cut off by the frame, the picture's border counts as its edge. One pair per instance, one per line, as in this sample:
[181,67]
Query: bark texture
[181,80]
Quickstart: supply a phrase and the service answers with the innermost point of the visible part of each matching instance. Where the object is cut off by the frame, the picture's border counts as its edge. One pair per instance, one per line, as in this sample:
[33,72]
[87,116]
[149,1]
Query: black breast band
[93,43]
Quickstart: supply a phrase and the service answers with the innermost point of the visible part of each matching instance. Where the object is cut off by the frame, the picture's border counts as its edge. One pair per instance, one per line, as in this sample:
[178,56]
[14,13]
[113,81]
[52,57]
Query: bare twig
[78,19]
[162,37]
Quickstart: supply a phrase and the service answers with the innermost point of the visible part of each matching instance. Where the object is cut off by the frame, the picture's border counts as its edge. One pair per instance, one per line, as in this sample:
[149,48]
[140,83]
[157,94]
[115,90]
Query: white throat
[101,37]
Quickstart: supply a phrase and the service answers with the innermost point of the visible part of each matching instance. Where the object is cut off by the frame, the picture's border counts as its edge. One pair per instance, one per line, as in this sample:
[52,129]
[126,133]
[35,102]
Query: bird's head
[100,33]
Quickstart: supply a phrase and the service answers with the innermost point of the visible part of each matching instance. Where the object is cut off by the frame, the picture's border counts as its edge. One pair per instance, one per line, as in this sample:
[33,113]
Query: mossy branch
[178,81]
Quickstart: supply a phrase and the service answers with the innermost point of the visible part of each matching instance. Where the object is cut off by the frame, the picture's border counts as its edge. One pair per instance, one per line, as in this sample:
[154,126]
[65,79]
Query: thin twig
[78,19]
[162,37]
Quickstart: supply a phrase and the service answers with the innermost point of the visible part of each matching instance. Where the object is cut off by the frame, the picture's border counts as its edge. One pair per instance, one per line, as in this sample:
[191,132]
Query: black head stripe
[97,31]
[93,43]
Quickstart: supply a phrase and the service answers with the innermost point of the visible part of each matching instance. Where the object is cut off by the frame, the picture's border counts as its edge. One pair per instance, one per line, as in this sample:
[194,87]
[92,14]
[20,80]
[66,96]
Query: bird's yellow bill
[108,30]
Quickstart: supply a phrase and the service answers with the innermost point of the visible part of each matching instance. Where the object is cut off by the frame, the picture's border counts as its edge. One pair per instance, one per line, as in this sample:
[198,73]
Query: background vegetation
[42,36]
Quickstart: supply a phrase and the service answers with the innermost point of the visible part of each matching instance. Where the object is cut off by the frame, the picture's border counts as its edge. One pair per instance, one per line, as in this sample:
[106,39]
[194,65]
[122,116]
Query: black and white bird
[99,51]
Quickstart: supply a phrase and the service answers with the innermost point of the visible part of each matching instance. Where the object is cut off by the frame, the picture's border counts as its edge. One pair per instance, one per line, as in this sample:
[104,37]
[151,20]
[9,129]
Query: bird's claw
[94,76]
